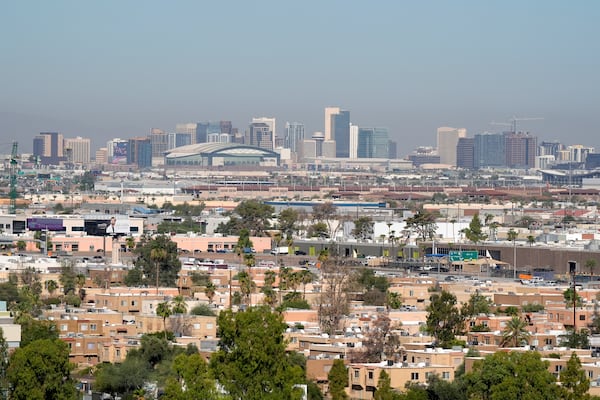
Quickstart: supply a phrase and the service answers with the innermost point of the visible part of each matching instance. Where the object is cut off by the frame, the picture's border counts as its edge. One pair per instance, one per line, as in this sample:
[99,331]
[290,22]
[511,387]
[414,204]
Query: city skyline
[117,69]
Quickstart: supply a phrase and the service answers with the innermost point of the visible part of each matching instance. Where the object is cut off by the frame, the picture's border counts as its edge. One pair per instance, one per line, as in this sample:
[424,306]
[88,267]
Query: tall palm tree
[164,310]
[179,305]
[247,285]
[306,277]
[515,332]
[158,255]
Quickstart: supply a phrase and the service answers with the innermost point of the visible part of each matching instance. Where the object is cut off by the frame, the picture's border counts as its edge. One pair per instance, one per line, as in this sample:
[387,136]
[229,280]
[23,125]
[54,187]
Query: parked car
[300,253]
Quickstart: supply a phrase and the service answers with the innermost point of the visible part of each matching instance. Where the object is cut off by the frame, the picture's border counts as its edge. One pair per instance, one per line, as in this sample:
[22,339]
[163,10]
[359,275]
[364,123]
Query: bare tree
[333,301]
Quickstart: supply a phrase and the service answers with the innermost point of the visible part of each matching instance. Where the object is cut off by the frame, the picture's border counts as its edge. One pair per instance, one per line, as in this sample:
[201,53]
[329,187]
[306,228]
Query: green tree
[33,330]
[251,362]
[573,380]
[41,370]
[514,375]
[192,379]
[319,230]
[252,215]
[384,387]
[164,310]
[477,304]
[393,300]
[423,223]
[287,220]
[202,309]
[591,264]
[444,320]
[67,277]
[247,286]
[51,286]
[3,364]
[568,295]
[515,332]
[576,340]
[210,291]
[21,245]
[338,380]
[474,232]
[325,213]
[179,306]
[363,228]
[124,378]
[87,181]
[157,257]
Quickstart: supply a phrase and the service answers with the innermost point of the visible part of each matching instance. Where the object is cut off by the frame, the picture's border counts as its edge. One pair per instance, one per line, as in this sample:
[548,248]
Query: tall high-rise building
[337,127]
[294,133]
[140,152]
[354,141]
[78,150]
[465,153]
[49,146]
[520,150]
[160,143]
[189,129]
[176,139]
[550,148]
[392,150]
[447,139]
[489,150]
[271,123]
[578,153]
[260,135]
[372,143]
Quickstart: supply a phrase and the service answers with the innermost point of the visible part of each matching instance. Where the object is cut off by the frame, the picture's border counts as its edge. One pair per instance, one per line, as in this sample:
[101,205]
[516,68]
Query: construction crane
[13,178]
[514,120]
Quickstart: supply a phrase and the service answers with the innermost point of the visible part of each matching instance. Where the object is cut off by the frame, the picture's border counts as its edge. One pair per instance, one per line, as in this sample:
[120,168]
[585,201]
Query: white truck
[280,250]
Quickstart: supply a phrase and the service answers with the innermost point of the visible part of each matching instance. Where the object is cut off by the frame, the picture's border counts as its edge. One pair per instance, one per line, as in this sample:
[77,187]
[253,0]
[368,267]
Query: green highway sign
[468,255]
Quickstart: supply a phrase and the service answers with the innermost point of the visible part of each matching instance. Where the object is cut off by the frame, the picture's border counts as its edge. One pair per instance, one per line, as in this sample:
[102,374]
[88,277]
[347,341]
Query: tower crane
[13,178]
[514,120]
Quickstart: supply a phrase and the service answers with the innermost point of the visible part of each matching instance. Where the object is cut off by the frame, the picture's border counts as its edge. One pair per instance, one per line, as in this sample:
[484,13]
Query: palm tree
[157,255]
[515,332]
[531,240]
[164,310]
[306,277]
[130,243]
[591,264]
[80,283]
[270,277]
[179,305]
[247,285]
[51,286]
[209,291]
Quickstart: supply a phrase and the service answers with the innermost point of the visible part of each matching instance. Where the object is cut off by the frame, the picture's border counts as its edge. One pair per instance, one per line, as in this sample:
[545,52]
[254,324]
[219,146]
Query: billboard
[120,150]
[113,226]
[42,224]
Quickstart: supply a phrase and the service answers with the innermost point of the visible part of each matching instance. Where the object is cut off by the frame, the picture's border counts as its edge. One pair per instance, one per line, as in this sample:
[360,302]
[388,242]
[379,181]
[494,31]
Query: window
[123,303]
[196,326]
[75,247]
[63,327]
[591,374]
[133,302]
[558,368]
[414,376]
[582,317]
[209,326]
[446,375]
[91,346]
[118,353]
[356,373]
[93,327]
[370,375]
[83,327]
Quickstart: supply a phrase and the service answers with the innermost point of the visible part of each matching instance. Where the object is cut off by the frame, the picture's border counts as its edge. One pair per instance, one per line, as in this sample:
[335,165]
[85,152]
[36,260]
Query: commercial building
[447,140]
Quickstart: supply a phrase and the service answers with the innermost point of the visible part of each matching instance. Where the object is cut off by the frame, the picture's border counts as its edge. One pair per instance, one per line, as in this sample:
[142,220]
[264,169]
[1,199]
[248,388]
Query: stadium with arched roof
[221,154]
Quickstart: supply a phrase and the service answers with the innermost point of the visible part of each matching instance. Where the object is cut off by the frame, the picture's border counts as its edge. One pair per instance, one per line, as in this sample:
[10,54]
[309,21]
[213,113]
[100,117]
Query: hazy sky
[107,69]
